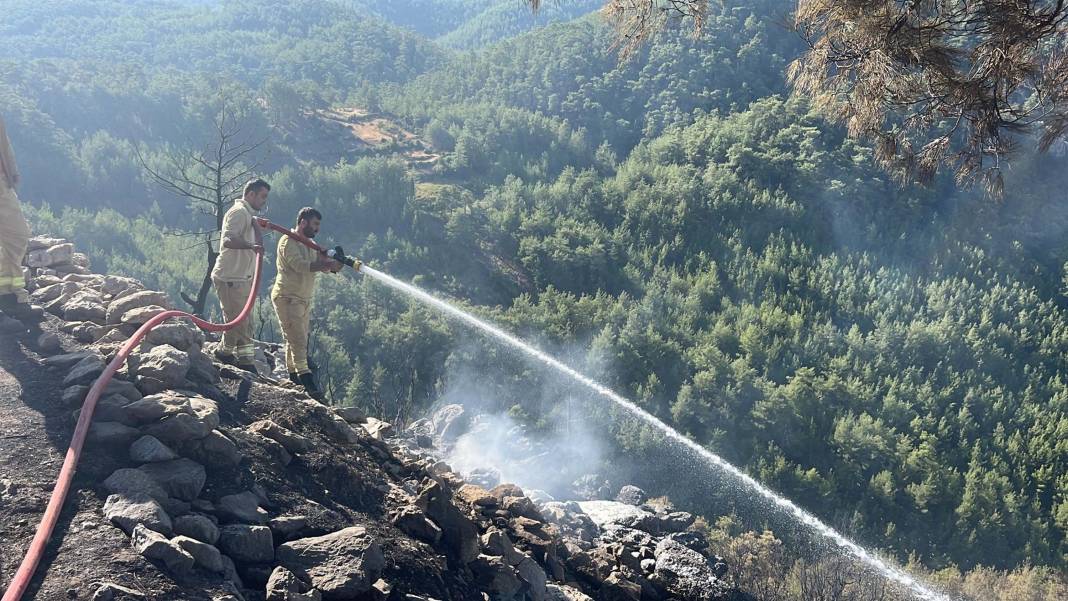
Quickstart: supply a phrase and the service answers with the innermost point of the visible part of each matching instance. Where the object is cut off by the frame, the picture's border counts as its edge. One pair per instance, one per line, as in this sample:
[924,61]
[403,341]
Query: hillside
[201,482]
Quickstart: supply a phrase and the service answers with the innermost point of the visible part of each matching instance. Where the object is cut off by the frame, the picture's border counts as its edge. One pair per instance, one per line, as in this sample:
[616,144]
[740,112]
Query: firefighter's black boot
[308,382]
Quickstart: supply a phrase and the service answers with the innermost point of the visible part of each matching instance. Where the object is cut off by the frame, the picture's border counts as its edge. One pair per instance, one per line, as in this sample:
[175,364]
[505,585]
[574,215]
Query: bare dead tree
[931,83]
[208,179]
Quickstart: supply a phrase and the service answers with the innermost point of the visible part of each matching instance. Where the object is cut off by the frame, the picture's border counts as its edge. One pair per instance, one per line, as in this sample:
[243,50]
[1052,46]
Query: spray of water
[890,572]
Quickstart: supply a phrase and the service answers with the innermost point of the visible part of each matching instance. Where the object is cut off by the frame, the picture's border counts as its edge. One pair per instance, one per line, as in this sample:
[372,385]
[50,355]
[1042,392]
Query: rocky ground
[201,482]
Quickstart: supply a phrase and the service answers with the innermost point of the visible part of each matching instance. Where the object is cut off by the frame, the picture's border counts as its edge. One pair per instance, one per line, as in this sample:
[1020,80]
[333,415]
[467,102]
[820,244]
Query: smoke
[533,431]
[548,462]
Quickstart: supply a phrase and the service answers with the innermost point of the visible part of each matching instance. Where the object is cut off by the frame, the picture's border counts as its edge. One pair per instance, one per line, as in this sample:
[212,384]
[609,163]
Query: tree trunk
[197,304]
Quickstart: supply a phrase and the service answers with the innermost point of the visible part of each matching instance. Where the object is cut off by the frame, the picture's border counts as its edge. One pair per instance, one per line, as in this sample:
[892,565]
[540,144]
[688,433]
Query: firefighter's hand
[357,264]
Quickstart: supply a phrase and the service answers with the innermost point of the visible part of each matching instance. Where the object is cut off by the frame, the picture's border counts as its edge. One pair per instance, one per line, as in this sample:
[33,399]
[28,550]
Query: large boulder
[459,533]
[563,592]
[496,577]
[415,524]
[148,449]
[161,368]
[58,254]
[343,564]
[155,407]
[242,507]
[605,513]
[84,306]
[686,572]
[85,371]
[181,478]
[631,495]
[132,482]
[205,555]
[153,545]
[197,526]
[450,422]
[284,585]
[195,425]
[127,511]
[120,306]
[254,544]
[182,335]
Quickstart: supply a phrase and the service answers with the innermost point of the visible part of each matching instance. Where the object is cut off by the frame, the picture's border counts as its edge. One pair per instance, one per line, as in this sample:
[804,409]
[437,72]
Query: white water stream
[891,572]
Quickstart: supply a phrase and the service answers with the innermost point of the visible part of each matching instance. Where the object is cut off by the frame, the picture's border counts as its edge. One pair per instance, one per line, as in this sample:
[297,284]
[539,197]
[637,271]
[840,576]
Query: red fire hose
[22,577]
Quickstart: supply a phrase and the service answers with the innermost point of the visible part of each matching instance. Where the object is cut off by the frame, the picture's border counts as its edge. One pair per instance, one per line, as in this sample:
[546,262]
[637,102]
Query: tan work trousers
[294,315]
[14,236]
[232,297]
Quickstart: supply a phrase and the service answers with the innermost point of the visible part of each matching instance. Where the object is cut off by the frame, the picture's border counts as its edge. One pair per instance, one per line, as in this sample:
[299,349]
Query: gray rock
[182,335]
[242,507]
[132,482]
[49,293]
[155,407]
[112,285]
[85,371]
[451,421]
[352,415]
[631,495]
[676,521]
[247,543]
[112,408]
[605,513]
[58,254]
[291,441]
[201,368]
[144,298]
[496,542]
[205,555]
[531,573]
[153,545]
[109,591]
[287,527]
[377,429]
[496,577]
[563,592]
[181,478]
[284,585]
[112,434]
[415,524]
[342,564]
[218,451]
[196,526]
[148,449]
[126,512]
[686,572]
[161,368]
[459,533]
[84,309]
[74,395]
[68,360]
[230,572]
[182,427]
[48,343]
[140,315]
[617,588]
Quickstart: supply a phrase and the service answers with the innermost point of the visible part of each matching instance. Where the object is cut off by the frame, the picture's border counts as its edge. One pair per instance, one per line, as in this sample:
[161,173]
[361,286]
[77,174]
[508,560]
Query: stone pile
[161,416]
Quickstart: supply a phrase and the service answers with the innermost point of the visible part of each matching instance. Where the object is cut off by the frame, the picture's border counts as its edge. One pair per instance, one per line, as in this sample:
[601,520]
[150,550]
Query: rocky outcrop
[219,477]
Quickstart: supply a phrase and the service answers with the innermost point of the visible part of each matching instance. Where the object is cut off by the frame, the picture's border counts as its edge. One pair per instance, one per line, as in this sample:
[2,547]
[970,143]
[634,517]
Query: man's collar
[244,203]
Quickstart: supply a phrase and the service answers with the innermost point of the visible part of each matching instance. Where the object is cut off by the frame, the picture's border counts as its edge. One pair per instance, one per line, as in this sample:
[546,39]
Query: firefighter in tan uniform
[292,295]
[234,269]
[14,236]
